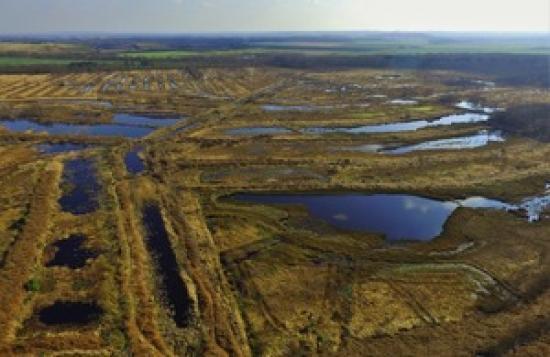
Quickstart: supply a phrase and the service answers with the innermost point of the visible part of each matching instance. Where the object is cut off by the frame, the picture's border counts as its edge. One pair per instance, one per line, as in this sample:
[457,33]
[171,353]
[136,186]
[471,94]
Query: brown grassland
[265,280]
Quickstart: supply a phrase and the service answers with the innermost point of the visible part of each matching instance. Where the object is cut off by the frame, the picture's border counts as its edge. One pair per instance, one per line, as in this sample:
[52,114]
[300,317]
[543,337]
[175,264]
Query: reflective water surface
[60,148]
[465,118]
[144,120]
[481,139]
[134,163]
[23,125]
[81,187]
[398,217]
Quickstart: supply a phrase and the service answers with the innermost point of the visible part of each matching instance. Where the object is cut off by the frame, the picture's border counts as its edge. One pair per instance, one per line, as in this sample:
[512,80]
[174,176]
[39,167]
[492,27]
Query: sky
[182,16]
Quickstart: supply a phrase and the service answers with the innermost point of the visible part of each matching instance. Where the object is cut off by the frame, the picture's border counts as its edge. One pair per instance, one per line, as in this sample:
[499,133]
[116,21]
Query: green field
[344,49]
[160,55]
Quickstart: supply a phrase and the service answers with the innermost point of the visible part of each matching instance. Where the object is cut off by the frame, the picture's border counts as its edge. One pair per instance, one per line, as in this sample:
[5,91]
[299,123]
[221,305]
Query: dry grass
[266,280]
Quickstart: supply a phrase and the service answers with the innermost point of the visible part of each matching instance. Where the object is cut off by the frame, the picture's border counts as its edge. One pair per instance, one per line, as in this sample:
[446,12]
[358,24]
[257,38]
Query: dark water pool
[144,120]
[160,248]
[22,125]
[466,118]
[134,163]
[70,252]
[70,313]
[398,217]
[80,186]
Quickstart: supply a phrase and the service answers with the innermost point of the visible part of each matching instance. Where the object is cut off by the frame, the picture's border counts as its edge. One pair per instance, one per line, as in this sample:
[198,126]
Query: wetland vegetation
[275,196]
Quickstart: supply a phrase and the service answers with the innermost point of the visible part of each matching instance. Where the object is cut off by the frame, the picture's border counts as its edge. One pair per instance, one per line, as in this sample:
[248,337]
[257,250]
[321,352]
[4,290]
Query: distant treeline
[531,121]
[509,69]
[505,69]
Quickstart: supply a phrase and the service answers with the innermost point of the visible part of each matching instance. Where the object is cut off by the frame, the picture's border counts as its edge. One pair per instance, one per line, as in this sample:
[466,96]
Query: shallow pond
[398,217]
[70,313]
[23,125]
[134,163]
[465,142]
[70,252]
[160,249]
[145,121]
[61,148]
[81,187]
[465,118]
[258,130]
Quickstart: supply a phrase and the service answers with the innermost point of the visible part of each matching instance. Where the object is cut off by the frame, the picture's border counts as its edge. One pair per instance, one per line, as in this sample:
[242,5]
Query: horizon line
[263,32]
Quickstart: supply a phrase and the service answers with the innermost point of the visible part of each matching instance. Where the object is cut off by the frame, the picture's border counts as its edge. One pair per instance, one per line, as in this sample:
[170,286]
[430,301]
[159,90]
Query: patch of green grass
[33,285]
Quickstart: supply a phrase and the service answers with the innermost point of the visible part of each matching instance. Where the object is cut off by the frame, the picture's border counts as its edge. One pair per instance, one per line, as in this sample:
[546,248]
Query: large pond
[80,187]
[23,125]
[465,118]
[398,217]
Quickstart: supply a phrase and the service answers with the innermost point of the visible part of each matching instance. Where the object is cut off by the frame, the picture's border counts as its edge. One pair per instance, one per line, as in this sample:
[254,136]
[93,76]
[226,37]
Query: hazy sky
[18,16]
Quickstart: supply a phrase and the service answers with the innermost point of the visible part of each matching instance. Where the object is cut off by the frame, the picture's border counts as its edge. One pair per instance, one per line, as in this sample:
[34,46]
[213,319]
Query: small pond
[70,313]
[80,187]
[144,121]
[61,148]
[70,252]
[134,163]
